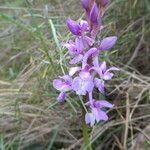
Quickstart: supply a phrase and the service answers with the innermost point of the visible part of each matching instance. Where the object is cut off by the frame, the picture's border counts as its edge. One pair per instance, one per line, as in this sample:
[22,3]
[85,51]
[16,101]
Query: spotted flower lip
[83,84]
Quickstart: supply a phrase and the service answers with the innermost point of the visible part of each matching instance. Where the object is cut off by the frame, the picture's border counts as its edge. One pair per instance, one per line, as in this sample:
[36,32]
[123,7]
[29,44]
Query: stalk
[86,137]
[86,140]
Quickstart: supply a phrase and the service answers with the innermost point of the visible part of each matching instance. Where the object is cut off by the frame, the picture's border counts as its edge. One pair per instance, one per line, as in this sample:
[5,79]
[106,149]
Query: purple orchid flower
[97,114]
[103,72]
[77,28]
[63,85]
[83,83]
[76,48]
[91,53]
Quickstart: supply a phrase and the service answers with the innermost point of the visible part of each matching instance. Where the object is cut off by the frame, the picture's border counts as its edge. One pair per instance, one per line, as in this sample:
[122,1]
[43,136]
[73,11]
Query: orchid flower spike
[87,73]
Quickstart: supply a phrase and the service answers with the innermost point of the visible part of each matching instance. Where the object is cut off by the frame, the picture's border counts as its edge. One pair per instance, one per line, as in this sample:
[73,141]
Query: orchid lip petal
[99,83]
[90,119]
[79,44]
[102,115]
[99,114]
[85,75]
[82,86]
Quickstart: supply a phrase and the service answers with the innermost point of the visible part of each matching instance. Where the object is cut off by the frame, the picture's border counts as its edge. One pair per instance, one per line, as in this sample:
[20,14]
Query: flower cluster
[87,72]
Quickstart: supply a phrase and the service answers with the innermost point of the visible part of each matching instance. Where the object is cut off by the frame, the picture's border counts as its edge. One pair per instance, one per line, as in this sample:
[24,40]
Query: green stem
[86,140]
[87,145]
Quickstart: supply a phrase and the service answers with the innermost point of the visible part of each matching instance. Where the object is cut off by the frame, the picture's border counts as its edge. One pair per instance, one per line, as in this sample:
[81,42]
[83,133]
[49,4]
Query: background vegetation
[31,33]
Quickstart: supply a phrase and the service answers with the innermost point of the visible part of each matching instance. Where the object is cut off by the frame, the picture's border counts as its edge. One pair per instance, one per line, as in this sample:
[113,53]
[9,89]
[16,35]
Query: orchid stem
[86,140]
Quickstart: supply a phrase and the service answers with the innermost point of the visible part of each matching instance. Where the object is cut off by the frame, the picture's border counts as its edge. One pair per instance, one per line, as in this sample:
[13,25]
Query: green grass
[31,56]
